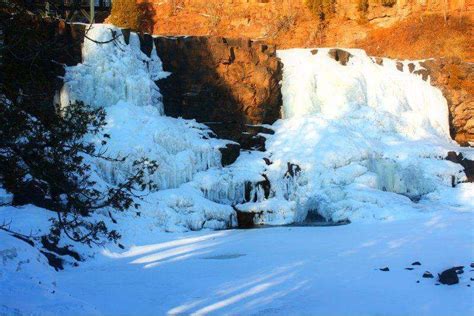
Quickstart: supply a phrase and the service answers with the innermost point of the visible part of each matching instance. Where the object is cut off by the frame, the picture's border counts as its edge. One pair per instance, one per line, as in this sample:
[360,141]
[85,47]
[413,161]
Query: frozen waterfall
[357,142]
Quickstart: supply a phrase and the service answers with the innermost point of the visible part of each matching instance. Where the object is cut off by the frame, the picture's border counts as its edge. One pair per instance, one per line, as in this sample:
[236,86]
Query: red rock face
[455,79]
[215,79]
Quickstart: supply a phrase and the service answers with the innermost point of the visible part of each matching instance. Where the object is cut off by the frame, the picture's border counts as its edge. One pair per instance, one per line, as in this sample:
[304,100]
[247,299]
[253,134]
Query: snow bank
[5,197]
[29,284]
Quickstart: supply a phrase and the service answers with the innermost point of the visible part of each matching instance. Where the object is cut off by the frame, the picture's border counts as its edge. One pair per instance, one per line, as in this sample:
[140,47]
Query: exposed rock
[265,186]
[247,136]
[455,79]
[292,170]
[55,44]
[314,51]
[416,263]
[428,275]
[386,269]
[267,161]
[423,72]
[340,55]
[459,270]
[379,61]
[448,277]
[229,154]
[245,219]
[146,43]
[409,269]
[399,66]
[466,163]
[215,79]
[126,35]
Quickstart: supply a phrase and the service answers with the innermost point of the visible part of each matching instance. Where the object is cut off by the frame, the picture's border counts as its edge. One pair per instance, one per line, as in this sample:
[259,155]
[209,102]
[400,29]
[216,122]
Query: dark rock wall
[36,50]
[229,81]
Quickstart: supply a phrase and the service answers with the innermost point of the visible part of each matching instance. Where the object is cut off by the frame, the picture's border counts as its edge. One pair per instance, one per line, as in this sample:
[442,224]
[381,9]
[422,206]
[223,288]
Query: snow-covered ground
[362,142]
[284,270]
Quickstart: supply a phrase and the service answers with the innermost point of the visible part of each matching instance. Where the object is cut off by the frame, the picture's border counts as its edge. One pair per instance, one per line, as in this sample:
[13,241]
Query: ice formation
[121,78]
[113,72]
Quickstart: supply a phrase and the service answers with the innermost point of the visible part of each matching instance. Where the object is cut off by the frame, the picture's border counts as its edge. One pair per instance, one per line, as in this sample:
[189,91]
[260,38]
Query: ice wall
[396,101]
[370,140]
[121,78]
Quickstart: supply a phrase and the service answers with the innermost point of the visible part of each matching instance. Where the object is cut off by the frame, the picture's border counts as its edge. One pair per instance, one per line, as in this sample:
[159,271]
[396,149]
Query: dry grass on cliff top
[419,38]
[289,24]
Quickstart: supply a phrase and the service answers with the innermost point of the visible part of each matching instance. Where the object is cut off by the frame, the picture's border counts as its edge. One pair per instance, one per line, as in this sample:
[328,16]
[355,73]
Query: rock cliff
[233,82]
[455,78]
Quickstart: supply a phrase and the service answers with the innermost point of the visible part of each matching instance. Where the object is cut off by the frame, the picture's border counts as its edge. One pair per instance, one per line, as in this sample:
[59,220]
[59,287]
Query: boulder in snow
[449,276]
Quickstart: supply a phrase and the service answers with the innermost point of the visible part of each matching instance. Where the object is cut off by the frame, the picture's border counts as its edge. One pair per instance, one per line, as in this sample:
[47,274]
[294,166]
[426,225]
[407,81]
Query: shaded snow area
[359,142]
[269,271]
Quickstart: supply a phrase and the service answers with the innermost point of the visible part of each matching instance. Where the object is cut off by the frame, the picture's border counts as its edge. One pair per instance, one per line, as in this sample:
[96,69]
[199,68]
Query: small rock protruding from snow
[339,55]
[428,275]
[449,276]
